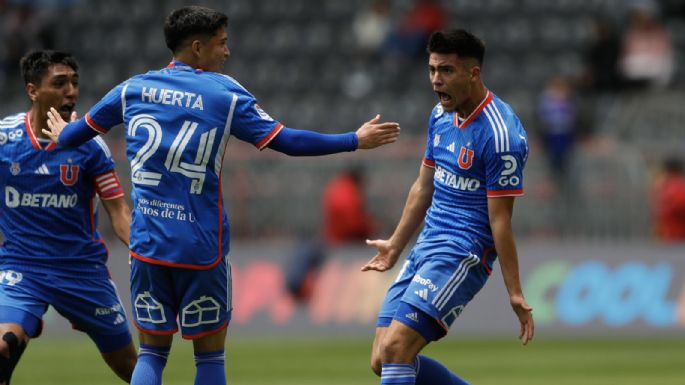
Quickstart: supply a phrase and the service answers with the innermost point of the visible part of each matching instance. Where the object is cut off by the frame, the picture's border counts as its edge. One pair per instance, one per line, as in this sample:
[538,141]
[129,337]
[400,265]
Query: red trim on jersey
[475,113]
[178,265]
[267,139]
[204,334]
[32,137]
[484,260]
[428,163]
[154,332]
[97,128]
[29,131]
[504,193]
[107,186]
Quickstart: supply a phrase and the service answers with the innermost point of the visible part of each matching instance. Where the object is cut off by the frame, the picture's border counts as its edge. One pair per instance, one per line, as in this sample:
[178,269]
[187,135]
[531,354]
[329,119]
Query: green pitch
[342,362]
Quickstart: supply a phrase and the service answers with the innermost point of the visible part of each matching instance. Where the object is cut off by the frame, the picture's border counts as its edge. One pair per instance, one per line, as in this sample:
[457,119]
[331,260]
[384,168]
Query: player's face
[452,79]
[58,89]
[214,52]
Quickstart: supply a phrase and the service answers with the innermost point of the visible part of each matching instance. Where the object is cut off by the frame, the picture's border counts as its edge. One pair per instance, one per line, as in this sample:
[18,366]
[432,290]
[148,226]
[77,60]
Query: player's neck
[477,96]
[187,59]
[38,119]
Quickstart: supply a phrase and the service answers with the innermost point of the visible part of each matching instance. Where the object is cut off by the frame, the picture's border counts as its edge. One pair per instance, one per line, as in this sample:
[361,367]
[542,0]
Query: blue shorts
[199,299]
[438,279]
[90,304]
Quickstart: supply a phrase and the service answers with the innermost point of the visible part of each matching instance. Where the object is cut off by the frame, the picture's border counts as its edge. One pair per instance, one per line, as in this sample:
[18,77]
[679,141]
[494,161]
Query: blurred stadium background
[609,296]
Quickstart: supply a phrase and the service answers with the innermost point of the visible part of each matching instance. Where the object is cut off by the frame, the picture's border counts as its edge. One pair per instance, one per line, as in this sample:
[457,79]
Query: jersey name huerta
[13,199]
[172,98]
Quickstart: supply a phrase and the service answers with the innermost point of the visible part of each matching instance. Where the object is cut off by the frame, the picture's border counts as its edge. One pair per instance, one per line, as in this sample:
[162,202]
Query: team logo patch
[465,159]
[436,140]
[262,113]
[205,310]
[68,174]
[15,169]
[148,309]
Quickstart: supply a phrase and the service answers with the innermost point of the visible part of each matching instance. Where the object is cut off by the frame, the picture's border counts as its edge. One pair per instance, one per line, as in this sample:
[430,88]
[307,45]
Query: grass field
[342,362]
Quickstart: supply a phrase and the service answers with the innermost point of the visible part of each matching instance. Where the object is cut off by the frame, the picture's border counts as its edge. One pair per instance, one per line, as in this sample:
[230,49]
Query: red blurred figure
[669,203]
[345,216]
[345,220]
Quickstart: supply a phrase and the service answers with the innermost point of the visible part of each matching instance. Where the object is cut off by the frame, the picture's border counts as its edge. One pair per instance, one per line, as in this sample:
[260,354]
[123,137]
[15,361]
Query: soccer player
[178,123]
[471,171]
[53,254]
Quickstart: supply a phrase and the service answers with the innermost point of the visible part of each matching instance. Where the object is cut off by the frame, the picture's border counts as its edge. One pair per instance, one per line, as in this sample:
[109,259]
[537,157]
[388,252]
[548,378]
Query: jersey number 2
[195,171]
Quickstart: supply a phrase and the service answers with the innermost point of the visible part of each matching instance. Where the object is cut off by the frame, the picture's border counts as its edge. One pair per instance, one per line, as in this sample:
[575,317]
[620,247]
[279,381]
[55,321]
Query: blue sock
[398,374]
[210,368]
[430,371]
[151,362]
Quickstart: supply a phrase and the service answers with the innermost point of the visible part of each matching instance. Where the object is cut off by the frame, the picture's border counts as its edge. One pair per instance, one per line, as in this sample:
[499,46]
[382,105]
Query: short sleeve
[108,112]
[504,169]
[252,124]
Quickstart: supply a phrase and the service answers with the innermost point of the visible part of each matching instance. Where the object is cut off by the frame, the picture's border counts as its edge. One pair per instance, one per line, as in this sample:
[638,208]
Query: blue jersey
[178,121]
[48,212]
[480,156]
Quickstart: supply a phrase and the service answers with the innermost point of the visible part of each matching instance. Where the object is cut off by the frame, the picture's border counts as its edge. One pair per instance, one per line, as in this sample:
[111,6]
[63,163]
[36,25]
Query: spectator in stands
[409,40]
[345,216]
[371,27]
[558,122]
[647,58]
[669,202]
[601,58]
[23,27]
[345,221]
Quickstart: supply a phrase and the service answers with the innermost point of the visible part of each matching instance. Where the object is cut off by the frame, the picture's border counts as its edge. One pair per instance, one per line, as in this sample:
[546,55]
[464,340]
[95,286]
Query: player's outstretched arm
[73,134]
[418,201]
[373,134]
[500,211]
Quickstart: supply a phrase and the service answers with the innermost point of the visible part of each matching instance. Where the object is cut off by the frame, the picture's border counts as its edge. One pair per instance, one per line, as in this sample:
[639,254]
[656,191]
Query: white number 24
[195,171]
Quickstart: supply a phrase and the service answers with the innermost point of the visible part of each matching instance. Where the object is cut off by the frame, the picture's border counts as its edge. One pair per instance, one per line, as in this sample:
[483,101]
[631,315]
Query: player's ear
[31,91]
[196,47]
[475,73]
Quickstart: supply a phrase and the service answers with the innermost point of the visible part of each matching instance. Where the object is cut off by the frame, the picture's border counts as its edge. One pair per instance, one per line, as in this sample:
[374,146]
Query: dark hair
[458,41]
[35,64]
[192,21]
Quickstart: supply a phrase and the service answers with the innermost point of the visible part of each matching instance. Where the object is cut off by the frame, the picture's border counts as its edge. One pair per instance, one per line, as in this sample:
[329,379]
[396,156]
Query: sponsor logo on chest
[457,182]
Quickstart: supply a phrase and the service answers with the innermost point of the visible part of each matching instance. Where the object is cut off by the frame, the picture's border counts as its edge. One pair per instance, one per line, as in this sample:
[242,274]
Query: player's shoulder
[228,82]
[502,128]
[97,147]
[12,121]
[437,112]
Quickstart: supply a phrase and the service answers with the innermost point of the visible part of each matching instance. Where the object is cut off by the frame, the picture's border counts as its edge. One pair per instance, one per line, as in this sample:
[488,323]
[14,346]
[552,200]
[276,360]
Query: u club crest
[465,158]
[68,174]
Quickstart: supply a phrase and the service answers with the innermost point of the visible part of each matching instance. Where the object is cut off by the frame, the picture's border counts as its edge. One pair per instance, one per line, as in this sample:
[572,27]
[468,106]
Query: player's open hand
[525,315]
[56,124]
[386,257]
[373,134]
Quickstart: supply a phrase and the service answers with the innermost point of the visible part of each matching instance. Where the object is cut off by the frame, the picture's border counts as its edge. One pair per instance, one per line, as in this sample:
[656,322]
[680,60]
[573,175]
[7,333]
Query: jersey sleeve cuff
[267,139]
[428,163]
[96,127]
[504,193]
